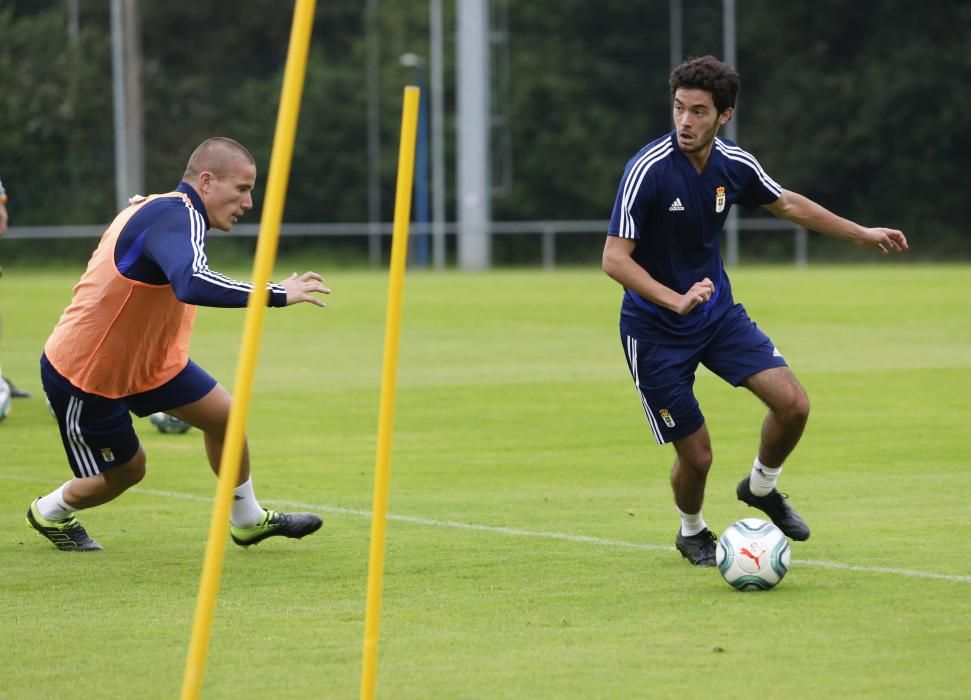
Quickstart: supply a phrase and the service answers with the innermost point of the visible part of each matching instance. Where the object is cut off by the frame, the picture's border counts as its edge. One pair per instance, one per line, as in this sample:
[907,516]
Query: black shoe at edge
[698,549]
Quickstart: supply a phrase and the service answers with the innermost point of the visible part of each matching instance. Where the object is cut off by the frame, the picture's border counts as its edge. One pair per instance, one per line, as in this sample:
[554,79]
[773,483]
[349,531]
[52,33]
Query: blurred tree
[587,93]
[859,105]
[55,146]
[856,104]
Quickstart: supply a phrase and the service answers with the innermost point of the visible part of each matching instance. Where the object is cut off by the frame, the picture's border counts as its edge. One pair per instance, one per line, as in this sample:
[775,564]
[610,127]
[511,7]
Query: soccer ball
[753,555]
[168,424]
[4,398]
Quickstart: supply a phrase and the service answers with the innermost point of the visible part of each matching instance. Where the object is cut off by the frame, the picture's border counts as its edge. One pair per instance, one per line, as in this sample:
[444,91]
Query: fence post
[549,246]
[802,247]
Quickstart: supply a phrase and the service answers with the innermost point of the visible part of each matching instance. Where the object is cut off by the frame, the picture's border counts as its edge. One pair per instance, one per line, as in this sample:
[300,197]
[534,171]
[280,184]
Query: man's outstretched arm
[801,210]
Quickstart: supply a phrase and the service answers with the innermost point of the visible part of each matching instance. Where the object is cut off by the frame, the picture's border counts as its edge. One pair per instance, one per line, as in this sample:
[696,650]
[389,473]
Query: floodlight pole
[373,134]
[127,96]
[677,33]
[437,133]
[473,195]
[731,130]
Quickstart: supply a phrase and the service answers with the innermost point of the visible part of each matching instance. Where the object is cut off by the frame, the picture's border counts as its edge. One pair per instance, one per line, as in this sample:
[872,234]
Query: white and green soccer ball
[753,555]
[5,402]
[168,424]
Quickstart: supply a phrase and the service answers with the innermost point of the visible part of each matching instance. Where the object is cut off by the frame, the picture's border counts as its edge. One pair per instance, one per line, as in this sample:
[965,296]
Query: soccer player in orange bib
[122,346]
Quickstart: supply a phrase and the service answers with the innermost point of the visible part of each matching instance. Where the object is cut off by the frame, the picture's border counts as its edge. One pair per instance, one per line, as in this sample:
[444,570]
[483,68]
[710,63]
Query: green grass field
[530,541]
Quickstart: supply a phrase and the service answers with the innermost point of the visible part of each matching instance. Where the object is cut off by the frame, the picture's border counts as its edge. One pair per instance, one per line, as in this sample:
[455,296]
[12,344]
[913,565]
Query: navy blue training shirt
[676,215]
[164,243]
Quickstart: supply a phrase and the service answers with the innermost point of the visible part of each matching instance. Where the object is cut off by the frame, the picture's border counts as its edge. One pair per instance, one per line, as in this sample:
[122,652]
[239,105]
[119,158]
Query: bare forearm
[808,214]
[623,270]
[621,267]
[805,212]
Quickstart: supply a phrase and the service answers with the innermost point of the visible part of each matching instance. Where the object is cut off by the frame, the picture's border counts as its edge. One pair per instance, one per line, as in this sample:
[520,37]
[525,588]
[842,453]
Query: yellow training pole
[279,173]
[389,374]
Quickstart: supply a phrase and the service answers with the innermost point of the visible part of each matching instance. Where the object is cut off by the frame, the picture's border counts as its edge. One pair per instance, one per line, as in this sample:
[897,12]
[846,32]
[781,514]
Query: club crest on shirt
[666,417]
[107,455]
[719,199]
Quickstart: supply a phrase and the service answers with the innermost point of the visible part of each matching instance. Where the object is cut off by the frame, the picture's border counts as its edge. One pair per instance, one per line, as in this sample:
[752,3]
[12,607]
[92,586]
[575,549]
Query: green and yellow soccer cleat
[68,535]
[273,524]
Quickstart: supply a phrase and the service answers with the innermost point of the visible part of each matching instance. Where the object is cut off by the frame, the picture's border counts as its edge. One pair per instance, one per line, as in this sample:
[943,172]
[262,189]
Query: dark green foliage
[858,105]
[56,156]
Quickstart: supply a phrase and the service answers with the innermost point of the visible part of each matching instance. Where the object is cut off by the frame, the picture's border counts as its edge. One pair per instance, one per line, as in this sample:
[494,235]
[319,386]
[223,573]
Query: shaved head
[223,173]
[217,155]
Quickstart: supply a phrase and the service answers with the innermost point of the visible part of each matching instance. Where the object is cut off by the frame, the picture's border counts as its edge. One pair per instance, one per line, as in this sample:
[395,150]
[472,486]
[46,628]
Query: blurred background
[530,111]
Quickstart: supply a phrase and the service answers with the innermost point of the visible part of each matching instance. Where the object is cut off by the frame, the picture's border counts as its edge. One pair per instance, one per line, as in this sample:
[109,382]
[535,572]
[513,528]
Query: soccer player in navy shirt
[678,311]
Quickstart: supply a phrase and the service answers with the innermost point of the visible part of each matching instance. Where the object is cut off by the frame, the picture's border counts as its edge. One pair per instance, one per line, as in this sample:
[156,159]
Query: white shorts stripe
[86,462]
[632,361]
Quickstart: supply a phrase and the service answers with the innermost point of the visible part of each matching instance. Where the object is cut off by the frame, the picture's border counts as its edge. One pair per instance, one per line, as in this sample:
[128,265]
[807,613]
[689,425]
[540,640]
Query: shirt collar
[187,189]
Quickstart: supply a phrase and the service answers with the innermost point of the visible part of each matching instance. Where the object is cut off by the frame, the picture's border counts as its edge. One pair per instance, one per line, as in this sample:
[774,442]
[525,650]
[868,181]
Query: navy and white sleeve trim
[632,184]
[202,272]
[737,154]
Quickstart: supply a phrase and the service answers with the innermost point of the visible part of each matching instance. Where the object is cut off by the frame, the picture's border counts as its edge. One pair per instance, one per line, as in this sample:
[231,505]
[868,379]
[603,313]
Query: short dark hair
[711,75]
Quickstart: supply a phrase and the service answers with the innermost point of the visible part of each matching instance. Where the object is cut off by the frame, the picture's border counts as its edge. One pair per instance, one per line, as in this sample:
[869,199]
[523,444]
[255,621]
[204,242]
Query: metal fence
[548,231]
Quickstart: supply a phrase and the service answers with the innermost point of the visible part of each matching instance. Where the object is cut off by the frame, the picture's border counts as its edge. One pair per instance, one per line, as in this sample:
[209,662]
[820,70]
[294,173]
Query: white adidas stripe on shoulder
[647,155]
[737,154]
[635,177]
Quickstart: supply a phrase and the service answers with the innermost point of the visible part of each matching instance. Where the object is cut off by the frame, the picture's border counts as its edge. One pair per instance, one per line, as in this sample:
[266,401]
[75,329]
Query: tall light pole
[373,135]
[419,242]
[437,133]
[731,129]
[126,83]
[677,33]
[474,189]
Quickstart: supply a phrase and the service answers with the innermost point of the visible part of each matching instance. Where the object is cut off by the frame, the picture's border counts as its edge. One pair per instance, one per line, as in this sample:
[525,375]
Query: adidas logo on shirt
[676,205]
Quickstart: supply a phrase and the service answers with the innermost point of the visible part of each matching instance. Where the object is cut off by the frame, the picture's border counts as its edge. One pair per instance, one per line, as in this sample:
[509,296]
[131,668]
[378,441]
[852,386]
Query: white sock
[53,507]
[691,523]
[763,479]
[247,511]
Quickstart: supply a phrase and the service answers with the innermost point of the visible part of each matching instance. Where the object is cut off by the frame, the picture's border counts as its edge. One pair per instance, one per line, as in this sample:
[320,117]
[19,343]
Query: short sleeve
[634,196]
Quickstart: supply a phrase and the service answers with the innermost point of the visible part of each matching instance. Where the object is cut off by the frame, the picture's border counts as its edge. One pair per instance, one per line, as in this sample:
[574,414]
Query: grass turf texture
[515,412]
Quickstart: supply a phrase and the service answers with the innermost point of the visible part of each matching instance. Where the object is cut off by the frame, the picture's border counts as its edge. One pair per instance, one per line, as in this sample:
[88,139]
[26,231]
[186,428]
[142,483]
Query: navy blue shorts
[664,375]
[97,432]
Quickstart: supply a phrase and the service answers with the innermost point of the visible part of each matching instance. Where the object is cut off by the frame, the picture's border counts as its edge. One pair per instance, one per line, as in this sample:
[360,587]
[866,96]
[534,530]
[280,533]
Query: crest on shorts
[107,455]
[719,199]
[666,417]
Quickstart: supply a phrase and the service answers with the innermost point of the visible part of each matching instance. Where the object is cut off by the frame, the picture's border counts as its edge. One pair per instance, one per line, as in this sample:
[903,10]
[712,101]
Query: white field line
[562,536]
[517,532]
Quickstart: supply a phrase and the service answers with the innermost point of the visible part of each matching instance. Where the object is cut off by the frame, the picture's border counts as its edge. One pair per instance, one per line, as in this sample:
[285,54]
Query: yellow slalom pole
[279,173]
[389,375]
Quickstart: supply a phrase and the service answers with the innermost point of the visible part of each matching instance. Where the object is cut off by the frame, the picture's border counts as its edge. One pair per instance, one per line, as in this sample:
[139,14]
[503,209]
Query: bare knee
[697,458]
[129,473]
[795,411]
[699,463]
